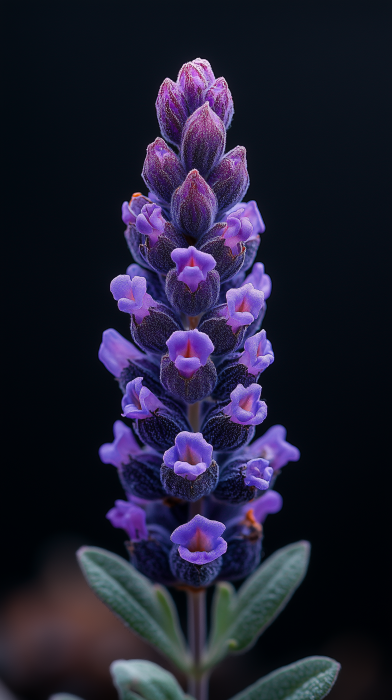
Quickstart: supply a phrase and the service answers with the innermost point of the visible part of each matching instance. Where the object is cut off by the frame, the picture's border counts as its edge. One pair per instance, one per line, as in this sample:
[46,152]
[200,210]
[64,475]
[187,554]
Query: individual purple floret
[245,407]
[194,79]
[243,306]
[150,222]
[241,481]
[190,456]
[193,205]
[271,502]
[132,296]
[138,401]
[229,179]
[273,447]
[260,280]
[258,474]
[203,140]
[200,540]
[123,445]
[172,111]
[115,351]
[130,518]
[162,170]
[130,211]
[220,100]
[251,211]
[258,354]
[192,266]
[187,371]
[238,228]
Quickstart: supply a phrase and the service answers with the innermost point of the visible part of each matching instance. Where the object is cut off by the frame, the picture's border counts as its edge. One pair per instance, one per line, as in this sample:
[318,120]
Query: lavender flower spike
[190,456]
[273,447]
[258,353]
[192,265]
[245,407]
[243,306]
[138,401]
[123,445]
[130,518]
[200,540]
[132,296]
[189,350]
[115,351]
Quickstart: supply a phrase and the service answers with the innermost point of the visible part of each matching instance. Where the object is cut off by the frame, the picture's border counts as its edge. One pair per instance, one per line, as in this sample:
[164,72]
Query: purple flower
[273,447]
[203,140]
[138,401]
[130,518]
[150,222]
[260,280]
[258,353]
[190,456]
[245,407]
[220,100]
[238,228]
[243,306]
[270,502]
[115,351]
[131,209]
[193,266]
[229,179]
[258,473]
[193,205]
[162,170]
[199,540]
[172,111]
[189,350]
[132,296]
[123,445]
[193,79]
[126,214]
[251,211]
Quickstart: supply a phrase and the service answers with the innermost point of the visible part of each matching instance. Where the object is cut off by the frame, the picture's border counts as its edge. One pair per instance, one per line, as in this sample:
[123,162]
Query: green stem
[197,682]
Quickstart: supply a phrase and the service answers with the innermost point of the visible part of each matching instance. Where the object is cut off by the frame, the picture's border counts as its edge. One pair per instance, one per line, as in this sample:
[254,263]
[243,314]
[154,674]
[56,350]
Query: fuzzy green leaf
[142,679]
[308,679]
[147,609]
[259,600]
[64,696]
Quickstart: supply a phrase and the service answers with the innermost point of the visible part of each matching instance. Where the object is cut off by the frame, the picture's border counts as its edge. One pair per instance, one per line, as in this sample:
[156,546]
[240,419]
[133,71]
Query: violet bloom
[190,456]
[251,211]
[115,351]
[189,350]
[123,446]
[258,473]
[200,541]
[245,407]
[130,518]
[258,353]
[150,222]
[273,447]
[270,502]
[260,280]
[243,306]
[132,296]
[138,401]
[192,265]
[238,228]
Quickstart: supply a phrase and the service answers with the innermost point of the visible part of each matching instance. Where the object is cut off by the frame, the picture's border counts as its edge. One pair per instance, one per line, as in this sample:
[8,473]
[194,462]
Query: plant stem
[197,683]
[194,416]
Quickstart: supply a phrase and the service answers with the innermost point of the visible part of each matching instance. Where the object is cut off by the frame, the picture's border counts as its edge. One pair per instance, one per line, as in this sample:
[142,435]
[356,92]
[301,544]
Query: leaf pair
[308,679]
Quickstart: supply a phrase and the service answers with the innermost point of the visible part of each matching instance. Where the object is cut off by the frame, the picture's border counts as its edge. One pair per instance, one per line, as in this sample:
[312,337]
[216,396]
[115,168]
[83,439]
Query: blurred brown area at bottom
[56,636]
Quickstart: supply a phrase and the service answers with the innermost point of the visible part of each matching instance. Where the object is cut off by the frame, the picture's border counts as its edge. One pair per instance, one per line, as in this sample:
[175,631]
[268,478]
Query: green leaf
[259,600]
[64,696]
[142,679]
[147,609]
[308,679]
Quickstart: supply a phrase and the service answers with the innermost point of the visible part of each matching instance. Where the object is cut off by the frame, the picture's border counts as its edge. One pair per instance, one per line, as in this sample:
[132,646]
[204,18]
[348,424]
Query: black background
[311,86]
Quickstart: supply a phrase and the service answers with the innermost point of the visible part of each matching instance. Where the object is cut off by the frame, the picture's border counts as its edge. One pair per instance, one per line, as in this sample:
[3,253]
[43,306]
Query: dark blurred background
[311,86]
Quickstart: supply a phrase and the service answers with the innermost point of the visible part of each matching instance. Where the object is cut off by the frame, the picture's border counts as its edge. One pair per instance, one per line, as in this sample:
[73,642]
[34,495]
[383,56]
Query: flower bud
[197,559]
[193,205]
[229,179]
[186,371]
[157,423]
[141,367]
[244,368]
[203,140]
[188,470]
[162,170]
[172,111]
[193,79]
[220,100]
[194,286]
[241,481]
